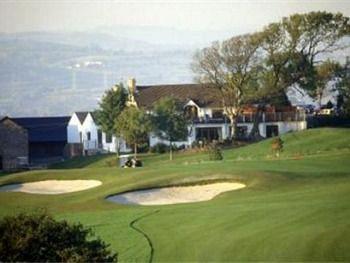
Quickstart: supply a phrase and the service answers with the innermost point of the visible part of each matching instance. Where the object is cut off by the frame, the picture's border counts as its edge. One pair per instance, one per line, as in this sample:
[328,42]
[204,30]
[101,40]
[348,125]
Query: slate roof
[201,94]
[45,129]
[83,114]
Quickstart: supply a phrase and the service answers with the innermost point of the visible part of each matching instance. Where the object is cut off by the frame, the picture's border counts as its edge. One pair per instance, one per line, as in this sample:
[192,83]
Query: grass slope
[294,208]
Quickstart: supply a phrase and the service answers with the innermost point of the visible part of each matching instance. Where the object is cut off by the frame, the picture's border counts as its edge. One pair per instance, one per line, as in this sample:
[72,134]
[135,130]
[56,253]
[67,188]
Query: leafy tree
[39,238]
[112,104]
[273,78]
[133,125]
[343,87]
[230,67]
[325,72]
[169,122]
[309,36]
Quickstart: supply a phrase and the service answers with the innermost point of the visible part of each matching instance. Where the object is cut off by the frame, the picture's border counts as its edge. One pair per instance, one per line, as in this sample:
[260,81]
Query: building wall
[75,127]
[283,127]
[112,146]
[13,145]
[89,126]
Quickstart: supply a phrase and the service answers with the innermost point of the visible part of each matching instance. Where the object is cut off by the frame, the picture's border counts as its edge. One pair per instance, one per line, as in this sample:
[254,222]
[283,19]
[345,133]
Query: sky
[238,16]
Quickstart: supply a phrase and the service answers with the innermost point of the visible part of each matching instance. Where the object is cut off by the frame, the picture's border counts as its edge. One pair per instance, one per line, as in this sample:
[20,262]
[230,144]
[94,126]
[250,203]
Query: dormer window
[191,112]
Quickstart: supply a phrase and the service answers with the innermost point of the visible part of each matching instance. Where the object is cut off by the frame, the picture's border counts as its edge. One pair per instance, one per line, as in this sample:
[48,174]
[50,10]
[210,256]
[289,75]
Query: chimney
[132,85]
[132,90]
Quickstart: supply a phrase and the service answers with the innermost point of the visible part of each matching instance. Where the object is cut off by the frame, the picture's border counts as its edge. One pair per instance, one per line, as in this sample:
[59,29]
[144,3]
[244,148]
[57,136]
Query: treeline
[253,68]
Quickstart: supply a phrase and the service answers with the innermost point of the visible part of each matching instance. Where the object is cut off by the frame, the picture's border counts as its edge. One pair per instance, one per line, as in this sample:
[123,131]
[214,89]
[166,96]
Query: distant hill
[56,73]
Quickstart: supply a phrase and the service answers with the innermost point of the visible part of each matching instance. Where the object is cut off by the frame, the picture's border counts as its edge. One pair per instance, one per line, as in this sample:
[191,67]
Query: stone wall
[13,145]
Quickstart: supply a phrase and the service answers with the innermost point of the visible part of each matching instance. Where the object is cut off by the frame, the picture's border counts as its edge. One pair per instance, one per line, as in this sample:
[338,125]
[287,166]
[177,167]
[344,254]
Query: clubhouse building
[204,109]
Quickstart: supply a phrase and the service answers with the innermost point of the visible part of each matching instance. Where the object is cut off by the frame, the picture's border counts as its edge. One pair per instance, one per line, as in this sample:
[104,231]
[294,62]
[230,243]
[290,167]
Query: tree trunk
[135,151]
[255,133]
[320,95]
[117,145]
[233,120]
[171,152]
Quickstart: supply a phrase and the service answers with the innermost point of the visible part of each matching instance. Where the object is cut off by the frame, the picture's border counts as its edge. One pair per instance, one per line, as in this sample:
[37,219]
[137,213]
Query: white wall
[112,146]
[202,112]
[153,140]
[73,129]
[283,127]
[89,126]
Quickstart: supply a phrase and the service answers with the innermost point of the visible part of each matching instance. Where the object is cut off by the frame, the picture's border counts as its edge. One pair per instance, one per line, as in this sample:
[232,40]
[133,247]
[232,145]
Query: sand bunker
[51,187]
[175,195]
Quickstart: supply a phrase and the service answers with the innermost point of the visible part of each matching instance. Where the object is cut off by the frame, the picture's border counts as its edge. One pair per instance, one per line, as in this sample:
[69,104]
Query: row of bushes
[212,148]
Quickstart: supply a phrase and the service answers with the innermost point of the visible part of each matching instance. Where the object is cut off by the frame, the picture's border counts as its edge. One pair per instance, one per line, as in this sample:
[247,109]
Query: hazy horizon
[234,16]
[70,52]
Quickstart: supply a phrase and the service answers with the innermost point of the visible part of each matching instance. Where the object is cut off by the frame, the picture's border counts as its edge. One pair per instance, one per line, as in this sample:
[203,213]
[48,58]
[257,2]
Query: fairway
[293,208]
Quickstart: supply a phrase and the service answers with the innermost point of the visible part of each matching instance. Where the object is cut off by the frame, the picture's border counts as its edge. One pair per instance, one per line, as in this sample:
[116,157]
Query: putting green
[294,208]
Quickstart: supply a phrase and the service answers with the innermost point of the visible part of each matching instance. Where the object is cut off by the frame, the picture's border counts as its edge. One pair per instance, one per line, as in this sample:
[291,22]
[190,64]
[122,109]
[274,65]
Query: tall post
[135,151]
[171,151]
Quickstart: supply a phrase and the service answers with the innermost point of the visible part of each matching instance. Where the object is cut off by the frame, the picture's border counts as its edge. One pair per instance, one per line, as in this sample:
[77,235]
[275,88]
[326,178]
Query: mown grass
[294,208]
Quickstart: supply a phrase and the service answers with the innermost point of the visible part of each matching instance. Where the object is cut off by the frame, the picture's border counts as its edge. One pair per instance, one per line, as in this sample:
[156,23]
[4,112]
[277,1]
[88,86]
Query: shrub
[160,148]
[39,238]
[200,144]
[214,152]
[277,146]
[143,148]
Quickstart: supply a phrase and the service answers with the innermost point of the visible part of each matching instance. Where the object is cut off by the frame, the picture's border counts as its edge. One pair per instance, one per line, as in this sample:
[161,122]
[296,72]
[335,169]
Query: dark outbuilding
[47,137]
[13,145]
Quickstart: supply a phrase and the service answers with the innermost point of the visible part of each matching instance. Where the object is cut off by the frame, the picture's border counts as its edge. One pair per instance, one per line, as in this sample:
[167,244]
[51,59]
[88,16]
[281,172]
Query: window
[88,136]
[218,114]
[108,138]
[242,131]
[81,137]
[191,112]
[271,131]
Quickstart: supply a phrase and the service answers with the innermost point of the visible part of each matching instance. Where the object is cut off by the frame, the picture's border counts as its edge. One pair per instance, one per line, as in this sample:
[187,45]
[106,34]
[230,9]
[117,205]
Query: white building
[203,107]
[82,129]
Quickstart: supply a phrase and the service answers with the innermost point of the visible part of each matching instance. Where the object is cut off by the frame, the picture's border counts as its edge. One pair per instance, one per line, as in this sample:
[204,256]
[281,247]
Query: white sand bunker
[51,187]
[175,195]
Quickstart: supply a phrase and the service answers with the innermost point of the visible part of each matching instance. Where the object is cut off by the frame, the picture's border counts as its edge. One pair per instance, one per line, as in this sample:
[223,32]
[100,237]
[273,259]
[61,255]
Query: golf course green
[294,208]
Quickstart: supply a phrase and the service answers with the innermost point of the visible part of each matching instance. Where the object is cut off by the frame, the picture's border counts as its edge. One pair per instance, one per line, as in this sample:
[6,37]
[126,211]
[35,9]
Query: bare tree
[231,68]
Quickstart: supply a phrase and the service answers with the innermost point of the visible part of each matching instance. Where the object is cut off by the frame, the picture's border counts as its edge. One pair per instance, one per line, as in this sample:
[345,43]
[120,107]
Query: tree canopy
[40,238]
[231,67]
[112,104]
[133,125]
[168,121]
[250,67]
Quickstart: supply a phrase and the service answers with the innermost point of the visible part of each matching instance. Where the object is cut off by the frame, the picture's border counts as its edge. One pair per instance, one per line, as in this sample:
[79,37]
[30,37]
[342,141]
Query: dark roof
[2,117]
[83,114]
[45,129]
[201,94]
